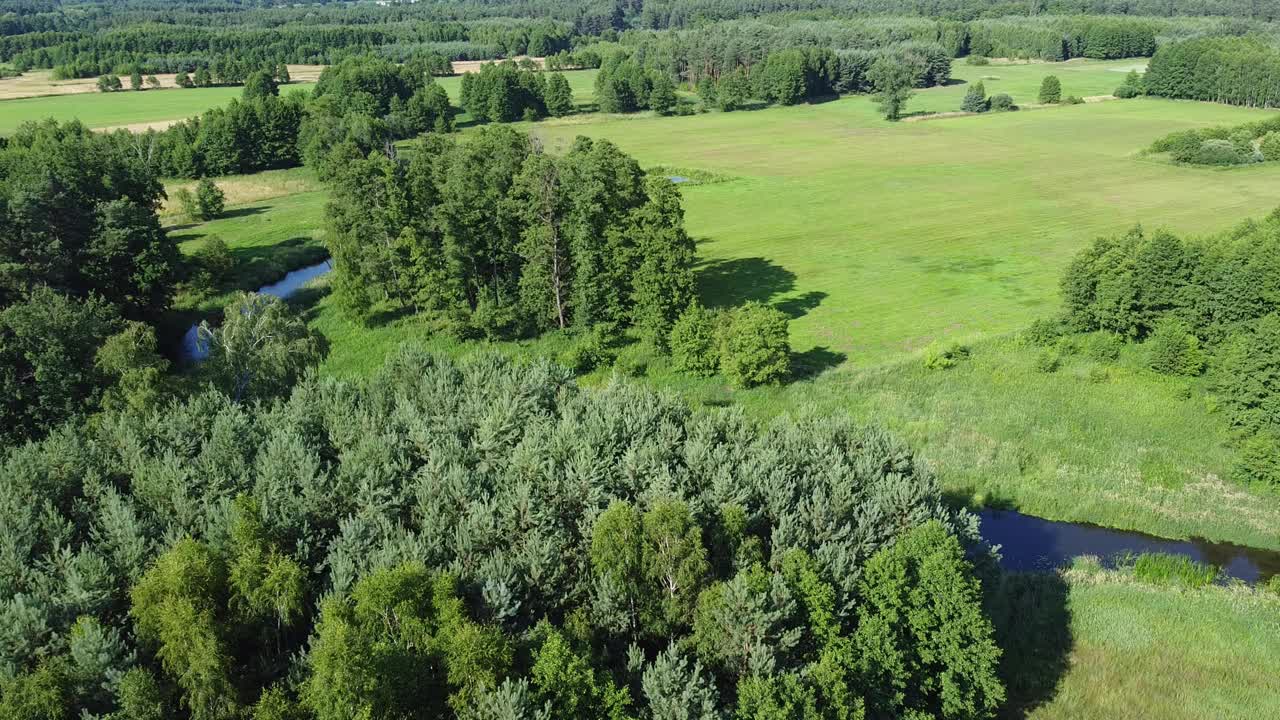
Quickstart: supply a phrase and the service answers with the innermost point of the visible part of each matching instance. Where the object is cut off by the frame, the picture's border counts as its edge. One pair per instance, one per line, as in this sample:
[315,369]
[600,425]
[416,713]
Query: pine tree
[559,98]
[975,99]
[662,98]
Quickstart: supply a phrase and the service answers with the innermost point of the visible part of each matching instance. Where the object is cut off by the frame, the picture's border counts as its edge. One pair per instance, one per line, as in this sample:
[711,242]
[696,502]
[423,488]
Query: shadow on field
[800,306]
[813,362]
[729,283]
[243,212]
[1033,627]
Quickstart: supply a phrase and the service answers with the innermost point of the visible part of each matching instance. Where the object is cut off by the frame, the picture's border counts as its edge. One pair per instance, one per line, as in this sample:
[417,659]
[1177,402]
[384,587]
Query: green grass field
[881,238]
[100,110]
[1143,652]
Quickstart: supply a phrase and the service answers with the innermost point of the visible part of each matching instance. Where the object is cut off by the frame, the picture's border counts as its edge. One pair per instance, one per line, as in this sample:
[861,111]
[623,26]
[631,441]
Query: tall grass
[1175,570]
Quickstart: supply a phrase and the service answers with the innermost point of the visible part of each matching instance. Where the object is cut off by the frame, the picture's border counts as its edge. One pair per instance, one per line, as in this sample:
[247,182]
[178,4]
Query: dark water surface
[191,351]
[1029,543]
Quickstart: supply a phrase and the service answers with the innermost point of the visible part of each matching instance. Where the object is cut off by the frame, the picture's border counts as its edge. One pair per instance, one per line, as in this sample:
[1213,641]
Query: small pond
[191,351]
[1029,544]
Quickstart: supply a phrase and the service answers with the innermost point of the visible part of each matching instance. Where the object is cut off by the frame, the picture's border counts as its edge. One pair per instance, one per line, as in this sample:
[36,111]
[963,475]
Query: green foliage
[559,98]
[109,83]
[259,85]
[1103,347]
[694,343]
[1165,569]
[975,99]
[892,81]
[260,349]
[1002,103]
[754,347]
[209,200]
[214,258]
[1048,360]
[1247,375]
[1258,461]
[941,356]
[47,348]
[592,349]
[1050,90]
[922,639]
[980,60]
[677,690]
[40,695]
[1173,350]
[1043,332]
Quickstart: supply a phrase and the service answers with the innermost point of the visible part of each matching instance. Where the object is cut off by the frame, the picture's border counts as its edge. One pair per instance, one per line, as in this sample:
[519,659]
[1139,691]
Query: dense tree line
[483,540]
[1196,305]
[1238,71]
[496,237]
[504,92]
[1062,38]
[83,258]
[156,48]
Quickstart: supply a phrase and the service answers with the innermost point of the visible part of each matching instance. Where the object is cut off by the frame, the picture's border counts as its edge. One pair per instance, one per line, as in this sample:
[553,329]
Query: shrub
[592,350]
[215,258]
[631,364]
[1104,347]
[1248,375]
[1073,100]
[1002,103]
[694,345]
[940,356]
[1050,90]
[1258,461]
[1166,569]
[1273,585]
[1173,350]
[1043,332]
[975,99]
[1098,375]
[1270,146]
[1048,361]
[1218,152]
[978,60]
[1124,92]
[205,203]
[754,347]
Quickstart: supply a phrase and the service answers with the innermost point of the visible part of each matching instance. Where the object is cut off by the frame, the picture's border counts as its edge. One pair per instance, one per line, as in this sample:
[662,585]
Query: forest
[599,456]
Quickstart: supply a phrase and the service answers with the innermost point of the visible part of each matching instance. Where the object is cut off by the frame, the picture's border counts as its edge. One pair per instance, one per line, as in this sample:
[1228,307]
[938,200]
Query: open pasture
[126,108]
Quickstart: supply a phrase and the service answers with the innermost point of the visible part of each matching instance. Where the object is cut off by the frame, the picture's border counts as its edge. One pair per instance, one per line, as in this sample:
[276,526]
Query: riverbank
[1136,651]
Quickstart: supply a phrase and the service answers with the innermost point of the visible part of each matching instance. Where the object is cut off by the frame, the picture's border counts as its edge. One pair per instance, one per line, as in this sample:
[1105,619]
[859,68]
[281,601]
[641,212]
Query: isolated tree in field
[183,80]
[203,77]
[559,96]
[754,346]
[975,98]
[210,200]
[892,81]
[258,85]
[109,83]
[1050,90]
[260,349]
[135,79]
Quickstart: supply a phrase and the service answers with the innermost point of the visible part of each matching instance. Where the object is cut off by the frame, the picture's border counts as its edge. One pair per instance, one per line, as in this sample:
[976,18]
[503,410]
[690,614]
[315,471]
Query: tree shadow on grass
[1032,619]
[243,212]
[814,361]
[729,283]
[797,307]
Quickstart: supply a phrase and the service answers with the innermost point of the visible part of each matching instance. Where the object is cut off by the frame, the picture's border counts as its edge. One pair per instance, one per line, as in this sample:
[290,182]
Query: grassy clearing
[273,224]
[118,109]
[880,239]
[1143,651]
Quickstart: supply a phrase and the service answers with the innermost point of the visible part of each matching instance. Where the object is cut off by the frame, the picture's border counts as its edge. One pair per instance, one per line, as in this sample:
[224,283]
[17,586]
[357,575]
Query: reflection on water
[1030,543]
[193,351]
